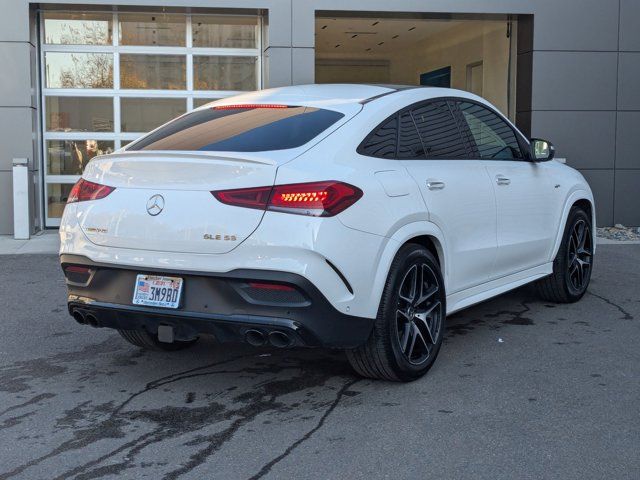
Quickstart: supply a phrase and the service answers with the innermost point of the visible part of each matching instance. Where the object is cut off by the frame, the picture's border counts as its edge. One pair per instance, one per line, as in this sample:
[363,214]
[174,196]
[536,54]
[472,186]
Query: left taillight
[316,199]
[85,190]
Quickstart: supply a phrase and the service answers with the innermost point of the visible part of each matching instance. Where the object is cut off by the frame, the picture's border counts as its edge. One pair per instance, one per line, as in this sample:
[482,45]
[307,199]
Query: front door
[524,194]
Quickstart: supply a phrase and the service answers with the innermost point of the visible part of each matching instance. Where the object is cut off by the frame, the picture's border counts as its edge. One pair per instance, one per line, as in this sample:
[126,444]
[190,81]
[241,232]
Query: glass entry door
[109,77]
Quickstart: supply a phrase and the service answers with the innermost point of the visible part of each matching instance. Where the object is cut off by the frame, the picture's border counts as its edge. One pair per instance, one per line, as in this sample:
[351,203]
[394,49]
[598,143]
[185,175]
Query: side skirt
[480,293]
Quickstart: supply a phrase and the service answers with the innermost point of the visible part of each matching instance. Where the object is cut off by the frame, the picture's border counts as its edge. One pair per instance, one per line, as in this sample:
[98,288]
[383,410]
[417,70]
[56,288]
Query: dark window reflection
[240,129]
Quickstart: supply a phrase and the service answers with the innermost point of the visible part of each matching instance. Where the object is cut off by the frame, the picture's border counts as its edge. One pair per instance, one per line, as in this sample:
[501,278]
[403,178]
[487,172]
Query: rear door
[523,189]
[456,190]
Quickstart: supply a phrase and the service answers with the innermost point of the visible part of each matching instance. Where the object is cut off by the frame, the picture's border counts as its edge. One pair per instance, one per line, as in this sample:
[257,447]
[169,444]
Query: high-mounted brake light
[84,190]
[316,199]
[248,106]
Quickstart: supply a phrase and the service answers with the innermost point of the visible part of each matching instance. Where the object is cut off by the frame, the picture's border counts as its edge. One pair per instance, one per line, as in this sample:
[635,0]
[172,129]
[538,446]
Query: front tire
[143,339]
[574,262]
[408,331]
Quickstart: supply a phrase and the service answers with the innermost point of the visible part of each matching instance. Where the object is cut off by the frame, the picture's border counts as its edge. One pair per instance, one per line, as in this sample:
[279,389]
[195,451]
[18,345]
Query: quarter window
[494,138]
[439,131]
[383,141]
[409,143]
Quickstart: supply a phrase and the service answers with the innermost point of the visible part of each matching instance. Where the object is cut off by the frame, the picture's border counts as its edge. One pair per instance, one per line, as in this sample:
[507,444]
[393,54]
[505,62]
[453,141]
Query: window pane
[409,143]
[79,114]
[225,31]
[225,73]
[382,143]
[198,102]
[62,28]
[78,70]
[145,114]
[69,157]
[152,29]
[241,129]
[57,194]
[439,131]
[493,136]
[155,72]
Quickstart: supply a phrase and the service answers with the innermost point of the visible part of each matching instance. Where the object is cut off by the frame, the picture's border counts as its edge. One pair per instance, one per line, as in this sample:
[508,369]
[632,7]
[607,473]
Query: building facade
[83,78]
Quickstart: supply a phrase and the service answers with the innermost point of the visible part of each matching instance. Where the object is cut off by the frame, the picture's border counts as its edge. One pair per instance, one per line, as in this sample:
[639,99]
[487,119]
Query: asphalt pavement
[522,389]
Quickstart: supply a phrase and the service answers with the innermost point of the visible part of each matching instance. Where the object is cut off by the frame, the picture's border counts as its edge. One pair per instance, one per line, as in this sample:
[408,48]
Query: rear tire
[143,339]
[573,264]
[408,331]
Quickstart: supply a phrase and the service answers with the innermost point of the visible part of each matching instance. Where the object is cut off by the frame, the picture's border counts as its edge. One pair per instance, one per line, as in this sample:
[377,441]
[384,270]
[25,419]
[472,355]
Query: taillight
[317,199]
[84,190]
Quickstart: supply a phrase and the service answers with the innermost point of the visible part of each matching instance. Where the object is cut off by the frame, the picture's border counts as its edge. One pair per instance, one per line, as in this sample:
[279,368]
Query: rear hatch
[163,182]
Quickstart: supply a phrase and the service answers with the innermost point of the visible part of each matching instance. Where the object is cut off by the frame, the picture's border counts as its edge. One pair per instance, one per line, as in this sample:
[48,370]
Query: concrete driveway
[522,389]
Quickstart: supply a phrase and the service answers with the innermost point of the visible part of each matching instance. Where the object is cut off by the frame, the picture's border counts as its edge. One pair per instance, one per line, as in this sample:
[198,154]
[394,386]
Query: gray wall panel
[629,81]
[14,24]
[628,140]
[590,25]
[6,201]
[15,74]
[629,25]
[627,209]
[574,81]
[601,182]
[17,124]
[277,66]
[303,66]
[585,139]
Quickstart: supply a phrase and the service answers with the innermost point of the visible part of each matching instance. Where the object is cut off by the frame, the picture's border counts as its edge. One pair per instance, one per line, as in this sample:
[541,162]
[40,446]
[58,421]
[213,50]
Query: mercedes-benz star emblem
[155,205]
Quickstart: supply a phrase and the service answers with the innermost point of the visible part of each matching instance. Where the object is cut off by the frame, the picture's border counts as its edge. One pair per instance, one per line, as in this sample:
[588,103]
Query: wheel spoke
[413,329]
[424,296]
[405,337]
[410,282]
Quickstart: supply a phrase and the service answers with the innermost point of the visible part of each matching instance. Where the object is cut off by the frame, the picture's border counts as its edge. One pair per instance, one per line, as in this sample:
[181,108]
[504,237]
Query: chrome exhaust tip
[255,338]
[78,316]
[91,319]
[280,339]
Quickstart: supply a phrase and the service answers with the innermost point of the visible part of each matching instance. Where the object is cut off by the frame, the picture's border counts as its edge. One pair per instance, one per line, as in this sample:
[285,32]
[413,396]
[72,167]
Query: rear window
[240,129]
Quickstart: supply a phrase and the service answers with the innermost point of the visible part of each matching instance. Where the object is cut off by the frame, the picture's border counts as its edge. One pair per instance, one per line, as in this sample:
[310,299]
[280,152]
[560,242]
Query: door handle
[435,185]
[502,180]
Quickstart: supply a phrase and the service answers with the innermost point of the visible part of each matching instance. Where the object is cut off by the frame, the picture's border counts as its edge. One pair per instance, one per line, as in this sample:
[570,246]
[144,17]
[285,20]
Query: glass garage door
[107,78]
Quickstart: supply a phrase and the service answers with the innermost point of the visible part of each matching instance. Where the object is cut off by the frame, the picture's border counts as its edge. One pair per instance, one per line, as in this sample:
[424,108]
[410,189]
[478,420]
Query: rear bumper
[218,304]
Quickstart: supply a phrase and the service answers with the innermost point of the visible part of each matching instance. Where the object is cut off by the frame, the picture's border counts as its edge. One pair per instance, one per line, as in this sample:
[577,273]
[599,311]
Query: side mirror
[542,150]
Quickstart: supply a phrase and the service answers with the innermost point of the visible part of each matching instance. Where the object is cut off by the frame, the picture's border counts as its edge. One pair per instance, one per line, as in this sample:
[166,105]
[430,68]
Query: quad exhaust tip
[280,339]
[85,318]
[255,338]
[276,338]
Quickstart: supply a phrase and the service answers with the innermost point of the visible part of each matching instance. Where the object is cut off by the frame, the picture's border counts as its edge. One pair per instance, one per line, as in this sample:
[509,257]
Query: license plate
[157,291]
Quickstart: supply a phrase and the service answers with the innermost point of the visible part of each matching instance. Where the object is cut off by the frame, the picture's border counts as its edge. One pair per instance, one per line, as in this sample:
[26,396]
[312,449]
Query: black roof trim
[393,88]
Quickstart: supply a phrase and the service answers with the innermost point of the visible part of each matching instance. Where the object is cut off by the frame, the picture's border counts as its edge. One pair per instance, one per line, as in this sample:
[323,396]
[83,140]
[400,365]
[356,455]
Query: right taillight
[317,199]
[85,190]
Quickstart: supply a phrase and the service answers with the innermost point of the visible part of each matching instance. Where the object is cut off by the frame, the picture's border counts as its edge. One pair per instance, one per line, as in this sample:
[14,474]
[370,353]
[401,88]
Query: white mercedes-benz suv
[353,217]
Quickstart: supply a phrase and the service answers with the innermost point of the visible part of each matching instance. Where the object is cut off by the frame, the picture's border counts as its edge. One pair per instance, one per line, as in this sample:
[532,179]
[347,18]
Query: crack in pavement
[259,399]
[625,315]
[267,468]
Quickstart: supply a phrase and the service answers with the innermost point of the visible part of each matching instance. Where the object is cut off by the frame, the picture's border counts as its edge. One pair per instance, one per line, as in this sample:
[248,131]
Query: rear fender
[399,238]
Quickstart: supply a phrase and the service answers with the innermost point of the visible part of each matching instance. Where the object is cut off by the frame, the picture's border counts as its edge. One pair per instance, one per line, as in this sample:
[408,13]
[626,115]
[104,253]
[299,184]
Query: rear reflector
[249,105]
[84,190]
[78,275]
[271,286]
[317,199]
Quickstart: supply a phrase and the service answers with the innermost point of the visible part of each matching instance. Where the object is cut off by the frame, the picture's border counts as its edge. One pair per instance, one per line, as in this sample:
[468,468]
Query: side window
[383,141]
[439,131]
[409,143]
[494,138]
